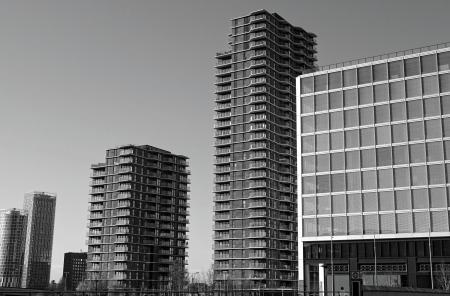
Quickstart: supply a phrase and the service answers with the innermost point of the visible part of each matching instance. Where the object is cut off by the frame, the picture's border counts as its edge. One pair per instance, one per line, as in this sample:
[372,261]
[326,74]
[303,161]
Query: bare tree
[443,276]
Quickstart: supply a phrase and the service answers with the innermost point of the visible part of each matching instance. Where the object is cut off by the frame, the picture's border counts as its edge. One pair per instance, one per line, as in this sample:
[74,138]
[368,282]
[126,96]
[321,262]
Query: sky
[79,77]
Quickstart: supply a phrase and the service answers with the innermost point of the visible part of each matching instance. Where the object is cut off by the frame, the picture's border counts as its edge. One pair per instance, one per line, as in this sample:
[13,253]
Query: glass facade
[255,213]
[374,141]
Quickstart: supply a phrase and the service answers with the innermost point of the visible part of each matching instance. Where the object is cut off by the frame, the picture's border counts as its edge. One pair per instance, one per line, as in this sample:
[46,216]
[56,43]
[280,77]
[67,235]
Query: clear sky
[78,77]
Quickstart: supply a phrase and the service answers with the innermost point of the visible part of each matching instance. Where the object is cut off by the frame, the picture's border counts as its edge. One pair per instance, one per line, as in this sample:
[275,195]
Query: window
[430,85]
[366,115]
[349,77]
[436,174]
[370,224]
[352,159]
[413,88]
[403,199]
[370,202]
[338,204]
[320,82]
[351,117]
[419,175]
[367,137]
[368,158]
[383,134]
[351,139]
[415,131]
[365,95]
[309,227]
[337,161]
[307,144]
[324,226]
[308,164]
[439,221]
[323,162]
[337,140]
[338,182]
[353,181]
[429,64]
[321,122]
[380,93]
[446,124]
[355,225]
[415,109]
[382,113]
[336,120]
[323,204]
[385,178]
[417,153]
[444,61]
[447,150]
[412,67]
[386,201]
[321,102]
[307,124]
[404,223]
[397,90]
[387,223]
[401,177]
[399,133]
[369,180]
[400,154]
[309,205]
[308,185]
[306,85]
[379,72]
[364,75]
[307,104]
[354,203]
[334,80]
[384,156]
[350,97]
[432,107]
[336,100]
[433,128]
[444,82]
[445,104]
[322,142]
[437,197]
[395,69]
[340,225]
[420,198]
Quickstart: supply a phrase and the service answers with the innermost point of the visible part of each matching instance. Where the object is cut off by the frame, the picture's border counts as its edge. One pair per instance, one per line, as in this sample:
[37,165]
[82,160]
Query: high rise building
[40,210]
[138,219]
[12,233]
[374,175]
[255,213]
[74,269]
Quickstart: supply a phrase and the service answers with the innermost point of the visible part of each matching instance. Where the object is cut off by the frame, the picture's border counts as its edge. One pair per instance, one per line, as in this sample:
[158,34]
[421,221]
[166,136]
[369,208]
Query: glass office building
[12,233]
[255,213]
[138,219]
[374,170]
[40,210]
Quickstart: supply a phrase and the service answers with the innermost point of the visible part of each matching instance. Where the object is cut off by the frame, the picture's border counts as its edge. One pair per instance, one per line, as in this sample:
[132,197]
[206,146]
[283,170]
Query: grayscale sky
[78,77]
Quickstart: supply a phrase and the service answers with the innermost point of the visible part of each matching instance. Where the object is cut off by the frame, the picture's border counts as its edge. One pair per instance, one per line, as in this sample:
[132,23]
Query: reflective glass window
[353,181]
[417,153]
[445,104]
[337,140]
[439,221]
[397,90]
[322,186]
[369,179]
[436,174]
[354,203]
[398,111]
[323,162]
[352,160]
[432,106]
[415,131]
[382,113]
[366,115]
[355,225]
[338,182]
[336,120]
[307,124]
[364,75]
[367,137]
[383,134]
[380,93]
[321,102]
[379,72]
[334,80]
[322,142]
[350,97]
[400,154]
[386,200]
[395,69]
[310,226]
[444,61]
[324,226]
[384,156]
[430,85]
[307,85]
[370,202]
[309,205]
[437,197]
[404,223]
[307,104]
[420,198]
[320,82]
[399,133]
[446,125]
[415,109]
[403,200]
[340,225]
[308,185]
[433,128]
[419,175]
[336,100]
[412,67]
[428,63]
[444,82]
[351,139]
[371,224]
[322,122]
[365,95]
[323,204]
[307,144]
[349,77]
[308,164]
[387,223]
[413,88]
[351,118]
[401,177]
[337,161]
[385,178]
[368,158]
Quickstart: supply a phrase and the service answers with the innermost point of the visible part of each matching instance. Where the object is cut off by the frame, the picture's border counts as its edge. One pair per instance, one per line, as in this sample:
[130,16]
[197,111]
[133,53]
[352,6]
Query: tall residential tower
[40,210]
[255,220]
[374,143]
[12,244]
[138,218]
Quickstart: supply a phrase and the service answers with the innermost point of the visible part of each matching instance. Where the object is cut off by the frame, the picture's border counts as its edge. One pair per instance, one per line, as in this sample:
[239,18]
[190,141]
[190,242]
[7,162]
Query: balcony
[220,115]
[97,190]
